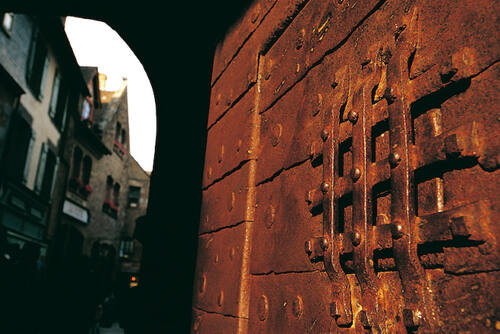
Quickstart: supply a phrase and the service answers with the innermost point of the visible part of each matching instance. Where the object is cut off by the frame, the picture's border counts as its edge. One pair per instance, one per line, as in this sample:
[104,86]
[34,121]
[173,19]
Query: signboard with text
[76,211]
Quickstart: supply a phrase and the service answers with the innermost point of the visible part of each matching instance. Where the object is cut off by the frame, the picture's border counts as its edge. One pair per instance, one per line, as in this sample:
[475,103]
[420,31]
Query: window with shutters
[38,63]
[86,170]
[18,150]
[77,161]
[79,181]
[126,248]
[75,182]
[58,102]
[118,130]
[110,205]
[119,142]
[134,196]
[46,173]
[109,187]
[116,194]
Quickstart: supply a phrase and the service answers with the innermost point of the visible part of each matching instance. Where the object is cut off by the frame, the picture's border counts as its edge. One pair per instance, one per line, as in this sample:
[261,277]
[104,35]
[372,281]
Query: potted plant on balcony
[75,184]
[114,209]
[106,205]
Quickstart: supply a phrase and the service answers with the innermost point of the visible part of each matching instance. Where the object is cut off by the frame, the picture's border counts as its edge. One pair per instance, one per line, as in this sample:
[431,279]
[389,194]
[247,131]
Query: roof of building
[57,37]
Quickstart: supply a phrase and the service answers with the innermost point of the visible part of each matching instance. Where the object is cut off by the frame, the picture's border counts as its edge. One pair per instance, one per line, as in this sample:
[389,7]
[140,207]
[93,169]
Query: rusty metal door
[351,176]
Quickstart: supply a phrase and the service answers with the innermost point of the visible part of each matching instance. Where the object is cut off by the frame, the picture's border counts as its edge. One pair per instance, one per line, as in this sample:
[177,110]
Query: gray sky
[96,44]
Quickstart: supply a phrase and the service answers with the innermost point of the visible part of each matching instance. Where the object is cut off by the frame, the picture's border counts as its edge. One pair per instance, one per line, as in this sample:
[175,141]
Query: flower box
[85,190]
[114,207]
[110,208]
[119,149]
[75,184]
[88,188]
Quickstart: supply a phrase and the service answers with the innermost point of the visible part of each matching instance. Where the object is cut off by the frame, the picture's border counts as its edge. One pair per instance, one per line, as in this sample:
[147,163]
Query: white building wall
[43,126]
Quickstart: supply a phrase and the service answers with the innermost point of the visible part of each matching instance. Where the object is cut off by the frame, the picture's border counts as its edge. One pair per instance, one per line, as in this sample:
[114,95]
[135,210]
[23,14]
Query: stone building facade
[106,190]
[68,184]
[43,83]
[137,203]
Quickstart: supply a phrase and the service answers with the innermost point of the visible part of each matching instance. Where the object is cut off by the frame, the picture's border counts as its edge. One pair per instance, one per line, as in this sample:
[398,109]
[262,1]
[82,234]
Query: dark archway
[175,43]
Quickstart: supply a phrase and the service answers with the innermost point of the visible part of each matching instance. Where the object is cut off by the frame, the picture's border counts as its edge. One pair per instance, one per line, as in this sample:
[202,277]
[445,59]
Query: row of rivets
[311,249]
[220,157]
[397,231]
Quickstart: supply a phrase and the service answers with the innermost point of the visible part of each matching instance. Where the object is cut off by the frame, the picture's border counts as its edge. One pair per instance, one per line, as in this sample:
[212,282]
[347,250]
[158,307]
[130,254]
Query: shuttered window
[116,194]
[38,64]
[134,195]
[18,150]
[46,173]
[58,102]
[27,162]
[87,170]
[55,95]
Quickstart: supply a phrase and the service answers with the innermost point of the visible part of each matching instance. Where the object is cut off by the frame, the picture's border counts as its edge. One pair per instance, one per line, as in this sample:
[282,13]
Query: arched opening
[74,146]
[180,80]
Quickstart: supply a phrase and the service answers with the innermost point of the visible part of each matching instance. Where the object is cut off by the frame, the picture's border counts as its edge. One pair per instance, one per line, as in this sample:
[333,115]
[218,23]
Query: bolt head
[364,319]
[390,94]
[309,196]
[353,116]
[277,132]
[232,253]
[270,216]
[231,200]
[394,158]
[202,283]
[297,307]
[324,243]
[220,299]
[221,154]
[324,134]
[308,247]
[355,174]
[334,310]
[196,324]
[356,238]
[255,16]
[325,187]
[263,308]
[397,230]
[412,318]
[314,150]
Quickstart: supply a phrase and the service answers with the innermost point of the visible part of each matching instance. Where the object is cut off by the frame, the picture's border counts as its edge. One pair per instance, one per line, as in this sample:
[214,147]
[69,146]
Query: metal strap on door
[370,219]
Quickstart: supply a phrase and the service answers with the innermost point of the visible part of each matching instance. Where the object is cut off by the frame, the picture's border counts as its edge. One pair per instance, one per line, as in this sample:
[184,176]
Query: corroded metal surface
[242,30]
[216,290]
[208,323]
[230,142]
[241,73]
[370,199]
[283,222]
[225,202]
